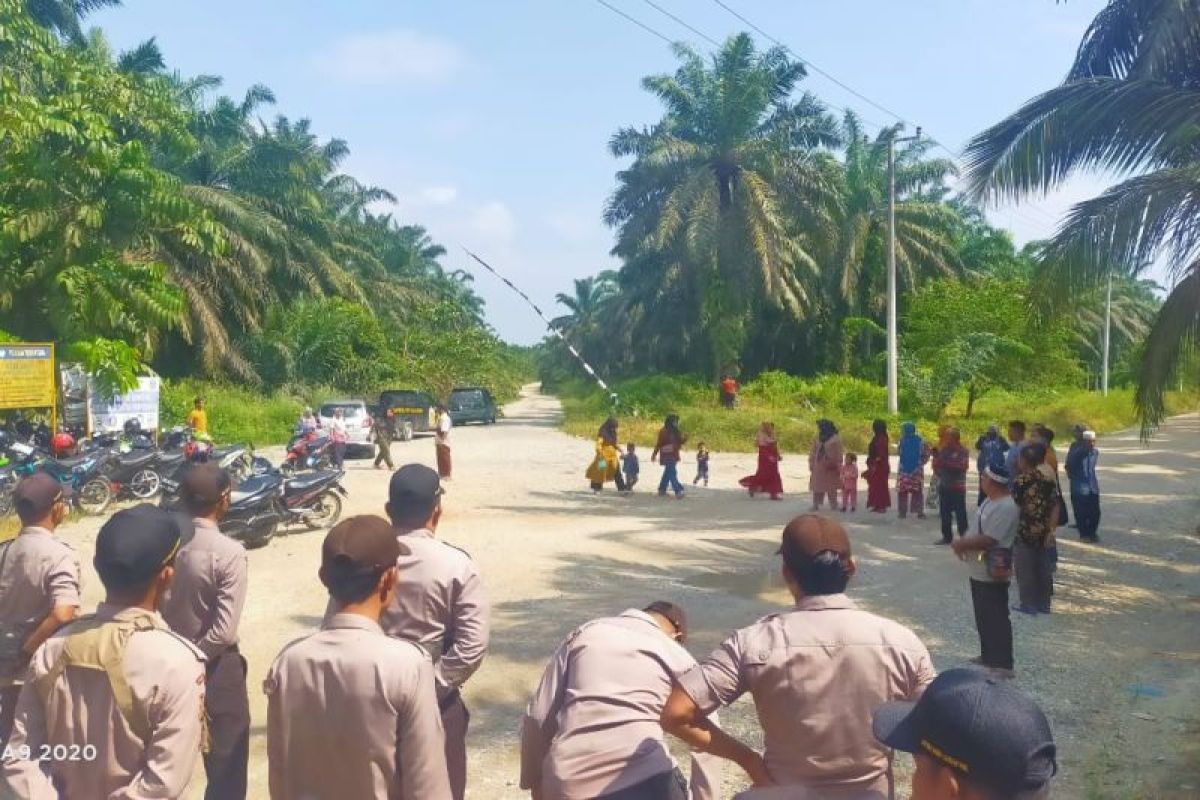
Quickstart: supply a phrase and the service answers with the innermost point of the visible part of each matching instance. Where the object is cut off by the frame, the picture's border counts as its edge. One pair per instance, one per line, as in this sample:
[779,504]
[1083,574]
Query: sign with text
[110,416]
[27,377]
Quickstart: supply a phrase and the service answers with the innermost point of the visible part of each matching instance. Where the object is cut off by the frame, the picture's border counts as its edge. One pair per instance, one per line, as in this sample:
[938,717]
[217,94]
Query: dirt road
[1115,666]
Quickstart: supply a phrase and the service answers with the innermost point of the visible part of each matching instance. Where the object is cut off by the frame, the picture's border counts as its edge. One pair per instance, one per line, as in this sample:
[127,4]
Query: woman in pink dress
[767,478]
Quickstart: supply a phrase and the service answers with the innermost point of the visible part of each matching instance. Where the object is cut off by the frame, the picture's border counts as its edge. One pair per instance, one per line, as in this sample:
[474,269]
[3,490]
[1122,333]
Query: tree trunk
[971,395]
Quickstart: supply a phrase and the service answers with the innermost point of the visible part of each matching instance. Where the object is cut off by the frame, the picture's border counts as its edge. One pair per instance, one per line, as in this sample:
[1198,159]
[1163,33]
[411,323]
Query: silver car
[358,422]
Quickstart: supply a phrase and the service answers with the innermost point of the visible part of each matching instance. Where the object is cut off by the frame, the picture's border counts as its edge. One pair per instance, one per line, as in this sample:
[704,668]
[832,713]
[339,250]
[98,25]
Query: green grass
[241,413]
[794,405]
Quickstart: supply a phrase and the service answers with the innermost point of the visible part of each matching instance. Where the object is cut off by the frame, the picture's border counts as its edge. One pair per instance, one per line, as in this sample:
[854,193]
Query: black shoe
[1090,539]
[942,542]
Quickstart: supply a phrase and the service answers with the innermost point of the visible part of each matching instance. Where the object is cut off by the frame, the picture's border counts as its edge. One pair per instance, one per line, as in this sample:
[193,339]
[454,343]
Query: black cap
[134,545]
[361,544]
[983,728]
[36,495]
[414,493]
[672,612]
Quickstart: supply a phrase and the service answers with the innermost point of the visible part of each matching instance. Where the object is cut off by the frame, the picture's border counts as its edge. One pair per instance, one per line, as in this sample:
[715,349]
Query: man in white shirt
[995,529]
[442,441]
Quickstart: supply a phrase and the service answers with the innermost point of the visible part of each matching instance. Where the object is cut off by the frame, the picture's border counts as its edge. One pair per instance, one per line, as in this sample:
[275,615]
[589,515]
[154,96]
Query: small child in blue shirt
[630,466]
[702,456]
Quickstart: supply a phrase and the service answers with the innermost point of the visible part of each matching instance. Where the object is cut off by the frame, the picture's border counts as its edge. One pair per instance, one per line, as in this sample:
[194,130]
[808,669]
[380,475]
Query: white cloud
[393,57]
[438,195]
[494,221]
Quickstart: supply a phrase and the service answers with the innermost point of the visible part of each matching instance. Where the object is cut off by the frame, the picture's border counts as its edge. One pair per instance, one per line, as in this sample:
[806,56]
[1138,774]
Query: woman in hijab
[606,466]
[767,478]
[825,465]
[910,481]
[879,469]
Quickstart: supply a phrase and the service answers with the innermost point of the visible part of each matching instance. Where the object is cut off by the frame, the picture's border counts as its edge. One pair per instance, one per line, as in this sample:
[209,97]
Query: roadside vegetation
[795,404]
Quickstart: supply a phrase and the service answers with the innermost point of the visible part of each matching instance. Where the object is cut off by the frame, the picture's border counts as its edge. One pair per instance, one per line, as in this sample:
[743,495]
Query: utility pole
[1107,334]
[893,350]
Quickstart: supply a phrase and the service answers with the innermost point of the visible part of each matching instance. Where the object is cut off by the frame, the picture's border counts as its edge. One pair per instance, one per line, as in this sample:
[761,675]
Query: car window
[349,410]
[397,399]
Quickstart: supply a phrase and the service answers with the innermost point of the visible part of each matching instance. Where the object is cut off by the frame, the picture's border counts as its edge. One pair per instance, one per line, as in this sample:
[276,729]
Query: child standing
[630,466]
[701,464]
[850,482]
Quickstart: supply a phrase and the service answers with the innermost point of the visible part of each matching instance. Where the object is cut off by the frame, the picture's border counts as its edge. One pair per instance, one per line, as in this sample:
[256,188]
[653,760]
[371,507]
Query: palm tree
[65,17]
[1129,104]
[704,195]
[591,296]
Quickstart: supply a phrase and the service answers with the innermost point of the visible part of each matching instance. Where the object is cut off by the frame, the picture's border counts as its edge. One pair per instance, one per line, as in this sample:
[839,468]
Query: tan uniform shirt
[204,602]
[817,673]
[40,571]
[440,605]
[351,713]
[85,744]
[592,727]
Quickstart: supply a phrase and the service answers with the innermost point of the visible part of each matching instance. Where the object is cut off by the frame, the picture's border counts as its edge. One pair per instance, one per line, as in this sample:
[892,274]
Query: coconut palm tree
[591,296]
[705,190]
[65,17]
[1130,105]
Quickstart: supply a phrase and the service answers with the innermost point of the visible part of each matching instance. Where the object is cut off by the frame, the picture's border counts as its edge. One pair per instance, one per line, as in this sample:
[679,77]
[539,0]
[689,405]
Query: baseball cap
[134,545]
[414,491]
[36,495]
[977,725]
[360,545]
[675,614]
[808,535]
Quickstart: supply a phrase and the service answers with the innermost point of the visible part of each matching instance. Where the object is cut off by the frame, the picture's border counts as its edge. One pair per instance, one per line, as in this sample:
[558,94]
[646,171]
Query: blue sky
[489,119]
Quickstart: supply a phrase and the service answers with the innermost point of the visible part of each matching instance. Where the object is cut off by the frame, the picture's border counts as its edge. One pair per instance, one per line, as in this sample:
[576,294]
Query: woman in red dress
[767,478]
[879,469]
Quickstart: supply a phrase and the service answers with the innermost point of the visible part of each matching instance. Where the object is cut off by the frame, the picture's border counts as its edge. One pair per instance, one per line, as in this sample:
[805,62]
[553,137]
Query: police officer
[381,429]
[439,604]
[592,728]
[39,585]
[352,712]
[973,737]
[204,606]
[817,672]
[114,702]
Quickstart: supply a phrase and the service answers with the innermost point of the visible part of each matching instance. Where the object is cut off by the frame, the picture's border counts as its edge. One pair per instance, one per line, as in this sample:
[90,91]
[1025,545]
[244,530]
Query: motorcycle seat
[255,484]
[173,457]
[68,464]
[304,482]
[136,459]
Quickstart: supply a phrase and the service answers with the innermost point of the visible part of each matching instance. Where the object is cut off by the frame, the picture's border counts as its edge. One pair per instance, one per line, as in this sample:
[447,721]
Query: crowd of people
[125,701]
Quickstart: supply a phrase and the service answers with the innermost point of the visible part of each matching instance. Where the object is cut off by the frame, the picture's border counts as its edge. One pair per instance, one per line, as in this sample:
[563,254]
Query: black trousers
[663,786]
[952,503]
[993,623]
[383,453]
[8,711]
[228,709]
[1087,514]
[1035,576]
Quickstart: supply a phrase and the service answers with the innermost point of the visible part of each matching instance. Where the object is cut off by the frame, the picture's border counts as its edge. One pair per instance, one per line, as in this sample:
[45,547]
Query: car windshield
[349,410]
[466,398]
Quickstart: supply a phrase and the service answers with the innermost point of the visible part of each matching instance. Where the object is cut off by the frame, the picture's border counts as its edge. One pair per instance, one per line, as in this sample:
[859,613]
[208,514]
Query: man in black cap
[439,604]
[39,584]
[973,738]
[204,605]
[117,687]
[351,712]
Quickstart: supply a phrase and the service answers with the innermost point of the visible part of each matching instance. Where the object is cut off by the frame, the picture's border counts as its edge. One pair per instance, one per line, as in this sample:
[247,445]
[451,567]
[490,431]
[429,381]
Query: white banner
[140,404]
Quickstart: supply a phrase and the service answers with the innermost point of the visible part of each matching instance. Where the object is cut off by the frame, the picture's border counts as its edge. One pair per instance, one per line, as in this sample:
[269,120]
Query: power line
[637,22]
[666,13]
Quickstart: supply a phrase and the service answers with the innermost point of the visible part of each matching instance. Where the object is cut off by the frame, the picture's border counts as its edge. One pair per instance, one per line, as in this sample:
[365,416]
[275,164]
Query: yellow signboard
[27,376]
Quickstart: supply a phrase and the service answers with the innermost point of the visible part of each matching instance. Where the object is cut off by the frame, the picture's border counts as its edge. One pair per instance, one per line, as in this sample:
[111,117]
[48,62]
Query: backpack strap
[100,645]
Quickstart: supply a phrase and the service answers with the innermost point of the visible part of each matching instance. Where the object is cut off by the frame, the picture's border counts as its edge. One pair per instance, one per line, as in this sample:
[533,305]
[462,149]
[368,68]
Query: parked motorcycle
[307,451]
[262,504]
[135,475]
[84,474]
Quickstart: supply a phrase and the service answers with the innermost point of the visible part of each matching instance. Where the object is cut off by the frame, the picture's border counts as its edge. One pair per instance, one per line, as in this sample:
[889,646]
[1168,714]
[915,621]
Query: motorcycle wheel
[259,537]
[145,485]
[94,496]
[406,432]
[326,510]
